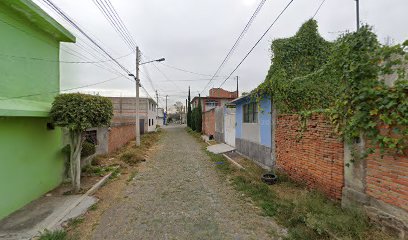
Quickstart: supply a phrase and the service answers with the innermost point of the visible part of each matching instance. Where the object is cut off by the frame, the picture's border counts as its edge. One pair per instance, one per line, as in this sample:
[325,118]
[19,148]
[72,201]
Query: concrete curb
[91,191]
[234,162]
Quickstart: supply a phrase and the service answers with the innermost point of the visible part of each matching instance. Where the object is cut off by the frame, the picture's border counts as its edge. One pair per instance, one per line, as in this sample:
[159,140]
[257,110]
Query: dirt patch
[113,189]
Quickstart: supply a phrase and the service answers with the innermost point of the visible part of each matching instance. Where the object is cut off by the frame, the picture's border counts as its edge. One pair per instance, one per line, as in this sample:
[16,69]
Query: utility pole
[157,107]
[358,14]
[237,87]
[166,109]
[137,97]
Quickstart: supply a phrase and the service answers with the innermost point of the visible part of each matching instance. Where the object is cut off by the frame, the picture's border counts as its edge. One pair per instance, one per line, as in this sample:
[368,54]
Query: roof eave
[33,13]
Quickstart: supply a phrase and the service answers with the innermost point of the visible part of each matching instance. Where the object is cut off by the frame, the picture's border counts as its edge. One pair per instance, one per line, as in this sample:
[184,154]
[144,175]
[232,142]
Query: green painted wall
[31,161]
[24,76]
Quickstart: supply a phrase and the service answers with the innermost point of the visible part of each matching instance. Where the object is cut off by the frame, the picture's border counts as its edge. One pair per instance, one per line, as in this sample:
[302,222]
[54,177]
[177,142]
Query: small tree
[193,117]
[189,113]
[78,112]
[199,116]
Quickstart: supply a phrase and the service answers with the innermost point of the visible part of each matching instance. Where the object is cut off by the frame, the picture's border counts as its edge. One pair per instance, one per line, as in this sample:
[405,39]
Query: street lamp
[137,79]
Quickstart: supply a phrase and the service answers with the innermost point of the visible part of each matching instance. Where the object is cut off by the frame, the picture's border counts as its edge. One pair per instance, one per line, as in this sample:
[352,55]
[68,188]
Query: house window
[92,137]
[211,103]
[251,113]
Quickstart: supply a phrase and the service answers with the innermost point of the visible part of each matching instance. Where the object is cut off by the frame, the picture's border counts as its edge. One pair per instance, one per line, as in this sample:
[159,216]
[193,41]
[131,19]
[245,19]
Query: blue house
[253,131]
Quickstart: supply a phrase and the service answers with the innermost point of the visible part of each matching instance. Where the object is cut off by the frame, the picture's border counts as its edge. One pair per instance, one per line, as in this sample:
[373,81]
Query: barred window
[251,113]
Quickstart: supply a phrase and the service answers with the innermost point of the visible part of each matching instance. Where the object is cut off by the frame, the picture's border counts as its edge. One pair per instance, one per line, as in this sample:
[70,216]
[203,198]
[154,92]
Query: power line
[318,9]
[188,71]
[63,90]
[56,61]
[75,25]
[119,19]
[257,42]
[231,51]
[109,14]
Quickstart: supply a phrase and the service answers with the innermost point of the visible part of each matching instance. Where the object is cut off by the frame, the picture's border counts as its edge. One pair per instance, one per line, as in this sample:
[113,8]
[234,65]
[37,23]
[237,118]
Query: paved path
[179,195]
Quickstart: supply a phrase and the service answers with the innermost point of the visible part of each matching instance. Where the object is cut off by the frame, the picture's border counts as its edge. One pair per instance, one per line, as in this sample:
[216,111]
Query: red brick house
[217,97]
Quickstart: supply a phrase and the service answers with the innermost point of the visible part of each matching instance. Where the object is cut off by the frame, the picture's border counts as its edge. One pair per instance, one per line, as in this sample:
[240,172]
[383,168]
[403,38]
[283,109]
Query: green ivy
[345,80]
[368,106]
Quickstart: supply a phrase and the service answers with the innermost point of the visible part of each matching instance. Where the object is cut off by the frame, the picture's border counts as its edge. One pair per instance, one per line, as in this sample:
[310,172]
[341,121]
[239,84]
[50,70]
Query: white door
[229,125]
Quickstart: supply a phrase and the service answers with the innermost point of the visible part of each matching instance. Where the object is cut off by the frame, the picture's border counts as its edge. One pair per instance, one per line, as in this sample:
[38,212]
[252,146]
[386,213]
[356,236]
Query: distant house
[31,161]
[217,97]
[160,117]
[253,131]
[124,112]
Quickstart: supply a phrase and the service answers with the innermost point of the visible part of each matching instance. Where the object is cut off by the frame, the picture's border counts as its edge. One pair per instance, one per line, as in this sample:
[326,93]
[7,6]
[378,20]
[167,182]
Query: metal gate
[229,126]
[142,126]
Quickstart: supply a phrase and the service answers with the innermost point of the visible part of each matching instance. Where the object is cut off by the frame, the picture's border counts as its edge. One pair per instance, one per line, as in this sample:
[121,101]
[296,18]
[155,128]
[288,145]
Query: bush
[88,149]
[78,112]
[55,235]
[131,157]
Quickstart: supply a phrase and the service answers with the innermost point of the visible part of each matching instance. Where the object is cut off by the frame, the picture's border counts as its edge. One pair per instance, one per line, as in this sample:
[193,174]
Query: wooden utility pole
[137,97]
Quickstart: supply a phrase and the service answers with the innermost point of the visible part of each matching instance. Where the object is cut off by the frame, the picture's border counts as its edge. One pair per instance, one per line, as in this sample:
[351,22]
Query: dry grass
[127,159]
[307,214]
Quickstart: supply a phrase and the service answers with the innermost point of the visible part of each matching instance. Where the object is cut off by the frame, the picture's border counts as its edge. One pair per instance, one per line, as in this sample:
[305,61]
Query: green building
[31,162]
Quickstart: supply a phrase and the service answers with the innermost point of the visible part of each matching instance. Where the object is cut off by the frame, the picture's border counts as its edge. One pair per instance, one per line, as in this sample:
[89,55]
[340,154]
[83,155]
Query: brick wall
[315,159]
[387,179]
[120,135]
[209,122]
[221,93]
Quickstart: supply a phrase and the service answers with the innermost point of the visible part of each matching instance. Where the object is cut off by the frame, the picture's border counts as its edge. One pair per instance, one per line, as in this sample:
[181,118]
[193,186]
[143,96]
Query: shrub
[88,149]
[131,157]
[78,112]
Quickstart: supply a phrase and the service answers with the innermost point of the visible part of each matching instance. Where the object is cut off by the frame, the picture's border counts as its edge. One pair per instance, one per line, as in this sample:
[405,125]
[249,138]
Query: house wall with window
[253,132]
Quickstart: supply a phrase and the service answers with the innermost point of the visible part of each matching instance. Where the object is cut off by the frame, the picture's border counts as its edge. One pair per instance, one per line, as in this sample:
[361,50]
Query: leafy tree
[78,112]
[192,120]
[189,113]
[199,115]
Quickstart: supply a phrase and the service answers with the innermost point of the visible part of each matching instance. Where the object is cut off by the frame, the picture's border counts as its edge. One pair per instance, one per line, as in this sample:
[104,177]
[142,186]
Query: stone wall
[314,156]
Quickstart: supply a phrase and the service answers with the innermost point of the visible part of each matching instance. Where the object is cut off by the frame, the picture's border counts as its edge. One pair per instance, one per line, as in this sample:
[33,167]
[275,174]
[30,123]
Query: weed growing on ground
[54,235]
[131,157]
[74,222]
[132,176]
[93,207]
[115,173]
[306,214]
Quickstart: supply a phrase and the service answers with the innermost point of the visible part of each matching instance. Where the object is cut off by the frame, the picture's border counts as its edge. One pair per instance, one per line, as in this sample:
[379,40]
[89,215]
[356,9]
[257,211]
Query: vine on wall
[346,80]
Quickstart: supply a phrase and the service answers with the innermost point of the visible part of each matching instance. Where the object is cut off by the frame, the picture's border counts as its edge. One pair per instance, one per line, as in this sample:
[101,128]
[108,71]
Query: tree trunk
[75,160]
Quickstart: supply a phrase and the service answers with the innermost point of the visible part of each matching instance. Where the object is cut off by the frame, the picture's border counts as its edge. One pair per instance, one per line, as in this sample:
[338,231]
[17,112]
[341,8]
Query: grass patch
[74,222]
[131,157]
[93,207]
[115,173]
[54,235]
[306,214]
[132,176]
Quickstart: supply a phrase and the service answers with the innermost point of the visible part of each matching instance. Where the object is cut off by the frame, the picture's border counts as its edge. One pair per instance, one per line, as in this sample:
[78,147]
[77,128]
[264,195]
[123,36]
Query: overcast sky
[196,35]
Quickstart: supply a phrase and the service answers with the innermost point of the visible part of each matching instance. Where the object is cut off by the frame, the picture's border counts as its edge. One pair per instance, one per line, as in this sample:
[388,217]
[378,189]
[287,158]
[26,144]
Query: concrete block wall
[314,157]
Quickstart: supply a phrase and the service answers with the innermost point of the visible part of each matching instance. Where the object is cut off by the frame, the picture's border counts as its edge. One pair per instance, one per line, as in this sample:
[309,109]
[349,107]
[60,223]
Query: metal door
[142,126]
[229,126]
